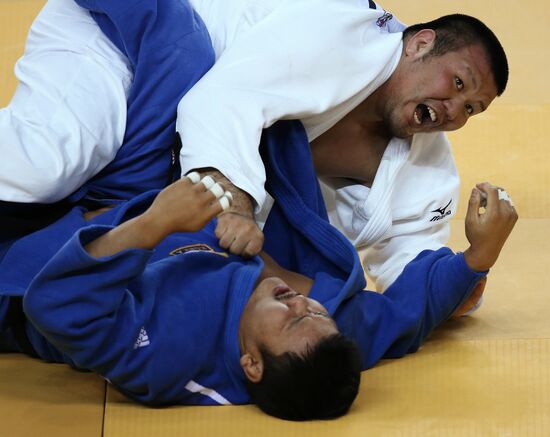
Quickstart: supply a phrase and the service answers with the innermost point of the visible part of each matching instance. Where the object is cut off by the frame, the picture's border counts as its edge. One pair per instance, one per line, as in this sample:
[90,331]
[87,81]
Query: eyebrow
[472,77]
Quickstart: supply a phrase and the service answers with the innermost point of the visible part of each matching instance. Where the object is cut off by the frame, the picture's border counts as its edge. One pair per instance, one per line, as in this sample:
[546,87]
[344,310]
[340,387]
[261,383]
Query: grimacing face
[437,93]
[282,320]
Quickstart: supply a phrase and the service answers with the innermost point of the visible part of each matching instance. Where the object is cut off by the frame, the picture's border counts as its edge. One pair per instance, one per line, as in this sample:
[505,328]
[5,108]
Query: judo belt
[16,320]
[20,219]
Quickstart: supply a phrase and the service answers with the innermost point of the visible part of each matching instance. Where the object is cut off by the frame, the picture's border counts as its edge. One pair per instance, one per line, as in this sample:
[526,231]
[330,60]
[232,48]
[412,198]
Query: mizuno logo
[142,340]
[442,212]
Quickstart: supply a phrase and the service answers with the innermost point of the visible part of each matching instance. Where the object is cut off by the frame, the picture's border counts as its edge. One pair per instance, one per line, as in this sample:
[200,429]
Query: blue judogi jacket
[162,325]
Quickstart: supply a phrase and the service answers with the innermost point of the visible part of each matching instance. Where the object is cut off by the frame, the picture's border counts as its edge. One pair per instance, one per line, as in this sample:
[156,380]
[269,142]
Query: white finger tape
[503,195]
[208,182]
[217,190]
[228,195]
[224,202]
[194,177]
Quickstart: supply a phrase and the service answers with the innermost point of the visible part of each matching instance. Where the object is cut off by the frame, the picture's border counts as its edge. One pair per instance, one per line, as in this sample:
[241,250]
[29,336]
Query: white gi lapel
[371,216]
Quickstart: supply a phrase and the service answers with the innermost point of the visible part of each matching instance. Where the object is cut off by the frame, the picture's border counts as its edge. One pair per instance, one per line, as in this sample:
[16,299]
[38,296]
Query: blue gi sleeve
[95,324]
[395,323]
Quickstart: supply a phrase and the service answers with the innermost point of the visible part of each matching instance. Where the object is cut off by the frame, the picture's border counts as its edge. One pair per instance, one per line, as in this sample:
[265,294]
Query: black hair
[456,31]
[320,384]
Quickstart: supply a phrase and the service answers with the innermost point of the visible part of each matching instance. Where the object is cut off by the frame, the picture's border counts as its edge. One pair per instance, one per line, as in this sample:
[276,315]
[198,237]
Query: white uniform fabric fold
[407,210]
[67,118]
[289,65]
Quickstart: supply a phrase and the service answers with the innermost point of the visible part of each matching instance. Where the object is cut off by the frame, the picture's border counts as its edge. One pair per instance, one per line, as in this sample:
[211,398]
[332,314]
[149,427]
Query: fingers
[213,189]
[503,195]
[475,202]
[488,193]
[194,177]
[494,194]
[240,235]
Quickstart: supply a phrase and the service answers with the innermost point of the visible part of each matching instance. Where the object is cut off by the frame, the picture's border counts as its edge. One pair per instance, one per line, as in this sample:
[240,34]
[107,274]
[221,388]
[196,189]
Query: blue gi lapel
[298,234]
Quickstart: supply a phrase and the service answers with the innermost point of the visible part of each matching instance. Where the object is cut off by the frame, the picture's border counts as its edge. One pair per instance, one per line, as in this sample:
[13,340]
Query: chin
[399,130]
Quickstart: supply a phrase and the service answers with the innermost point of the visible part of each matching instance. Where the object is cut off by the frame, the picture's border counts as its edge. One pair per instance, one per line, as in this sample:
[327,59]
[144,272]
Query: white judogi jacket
[309,59]
[313,60]
[407,209]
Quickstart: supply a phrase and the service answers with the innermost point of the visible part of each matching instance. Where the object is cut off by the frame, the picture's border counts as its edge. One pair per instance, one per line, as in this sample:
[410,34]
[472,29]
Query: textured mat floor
[487,375]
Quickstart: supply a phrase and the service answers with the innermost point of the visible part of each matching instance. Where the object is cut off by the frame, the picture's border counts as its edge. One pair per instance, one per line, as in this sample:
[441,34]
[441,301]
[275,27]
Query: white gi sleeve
[305,57]
[407,210]
[67,118]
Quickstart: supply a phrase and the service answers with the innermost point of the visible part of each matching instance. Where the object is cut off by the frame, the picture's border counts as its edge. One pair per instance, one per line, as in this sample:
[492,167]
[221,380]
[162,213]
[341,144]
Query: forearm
[137,233]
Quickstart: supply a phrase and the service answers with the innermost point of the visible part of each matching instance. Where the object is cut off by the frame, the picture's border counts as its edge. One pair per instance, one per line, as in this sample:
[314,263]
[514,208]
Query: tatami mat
[466,388]
[486,375]
[41,400]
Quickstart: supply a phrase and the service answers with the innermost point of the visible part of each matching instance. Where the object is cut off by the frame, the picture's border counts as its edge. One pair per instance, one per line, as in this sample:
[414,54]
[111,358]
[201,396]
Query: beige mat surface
[41,400]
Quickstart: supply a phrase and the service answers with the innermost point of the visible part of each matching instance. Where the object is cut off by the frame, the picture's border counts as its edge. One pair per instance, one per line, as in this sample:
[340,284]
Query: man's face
[281,320]
[438,93]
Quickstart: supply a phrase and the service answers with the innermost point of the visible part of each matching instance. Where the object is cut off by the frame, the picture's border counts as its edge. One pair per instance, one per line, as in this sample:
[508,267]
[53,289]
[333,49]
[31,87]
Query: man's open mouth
[424,114]
[283,293]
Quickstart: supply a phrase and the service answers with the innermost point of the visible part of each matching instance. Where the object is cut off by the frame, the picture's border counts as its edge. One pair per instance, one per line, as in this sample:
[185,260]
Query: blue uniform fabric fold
[169,50]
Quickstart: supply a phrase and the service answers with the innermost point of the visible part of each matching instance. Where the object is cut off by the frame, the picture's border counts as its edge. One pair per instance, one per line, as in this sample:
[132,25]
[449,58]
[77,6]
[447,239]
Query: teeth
[433,115]
[286,295]
[416,120]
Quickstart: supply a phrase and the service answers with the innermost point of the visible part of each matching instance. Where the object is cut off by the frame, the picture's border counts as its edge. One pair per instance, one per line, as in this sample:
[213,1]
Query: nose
[456,113]
[298,305]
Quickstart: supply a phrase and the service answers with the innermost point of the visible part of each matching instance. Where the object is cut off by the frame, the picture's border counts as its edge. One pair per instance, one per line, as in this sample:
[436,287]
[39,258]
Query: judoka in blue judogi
[177,321]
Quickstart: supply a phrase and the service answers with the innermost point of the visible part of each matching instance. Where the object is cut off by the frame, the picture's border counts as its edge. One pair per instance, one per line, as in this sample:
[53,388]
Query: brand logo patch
[382,21]
[142,340]
[442,212]
[197,248]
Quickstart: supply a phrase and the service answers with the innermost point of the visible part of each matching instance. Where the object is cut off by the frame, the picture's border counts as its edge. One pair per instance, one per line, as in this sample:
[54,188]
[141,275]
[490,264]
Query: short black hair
[320,384]
[456,31]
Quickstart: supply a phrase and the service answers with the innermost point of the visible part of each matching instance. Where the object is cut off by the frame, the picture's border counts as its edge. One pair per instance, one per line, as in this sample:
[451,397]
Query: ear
[420,44]
[253,367]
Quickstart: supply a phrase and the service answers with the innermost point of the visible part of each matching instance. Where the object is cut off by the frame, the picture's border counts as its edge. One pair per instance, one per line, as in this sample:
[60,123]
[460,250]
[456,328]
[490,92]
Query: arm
[430,288]
[183,206]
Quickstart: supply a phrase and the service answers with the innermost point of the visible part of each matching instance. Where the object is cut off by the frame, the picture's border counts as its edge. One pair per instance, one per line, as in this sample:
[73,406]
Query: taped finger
[224,202]
[208,182]
[217,190]
[503,195]
[194,177]
[229,196]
